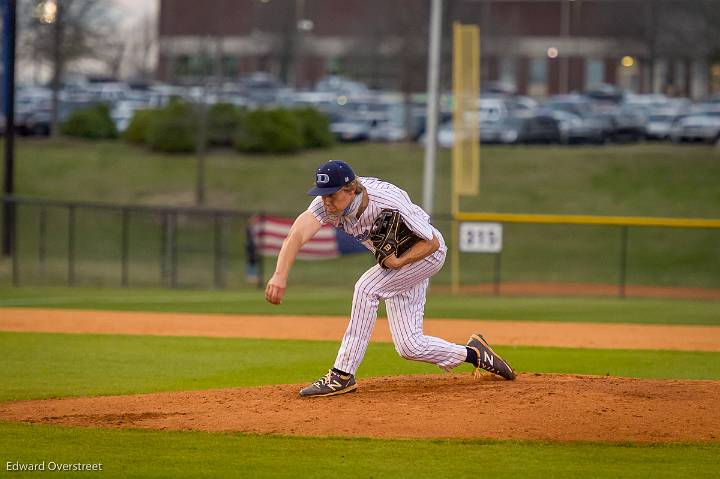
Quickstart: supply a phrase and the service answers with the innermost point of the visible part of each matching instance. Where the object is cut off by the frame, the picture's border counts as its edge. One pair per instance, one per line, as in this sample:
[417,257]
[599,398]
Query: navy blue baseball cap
[330,177]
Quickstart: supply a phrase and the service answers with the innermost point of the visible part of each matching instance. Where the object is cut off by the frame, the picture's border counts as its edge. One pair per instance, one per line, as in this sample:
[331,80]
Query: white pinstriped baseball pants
[403,291]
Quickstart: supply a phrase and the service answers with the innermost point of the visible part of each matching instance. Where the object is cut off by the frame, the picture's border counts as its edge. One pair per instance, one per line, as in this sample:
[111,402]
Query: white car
[492,109]
[123,112]
[387,131]
[703,127]
[659,125]
[351,130]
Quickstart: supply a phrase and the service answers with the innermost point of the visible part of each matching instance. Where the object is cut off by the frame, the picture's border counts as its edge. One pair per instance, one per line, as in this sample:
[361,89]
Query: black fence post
[125,247]
[259,258]
[163,248]
[42,241]
[219,252]
[497,279]
[623,260]
[71,245]
[13,241]
[173,250]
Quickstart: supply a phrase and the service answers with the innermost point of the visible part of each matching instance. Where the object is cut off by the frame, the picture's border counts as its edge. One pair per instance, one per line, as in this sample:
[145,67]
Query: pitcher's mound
[535,406]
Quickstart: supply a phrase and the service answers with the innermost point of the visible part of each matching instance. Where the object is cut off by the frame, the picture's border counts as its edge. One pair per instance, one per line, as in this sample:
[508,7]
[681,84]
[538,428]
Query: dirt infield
[586,289]
[530,333]
[535,406]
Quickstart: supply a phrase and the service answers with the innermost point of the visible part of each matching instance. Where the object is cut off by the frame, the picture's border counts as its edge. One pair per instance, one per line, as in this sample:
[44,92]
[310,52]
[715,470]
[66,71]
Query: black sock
[472,356]
[341,373]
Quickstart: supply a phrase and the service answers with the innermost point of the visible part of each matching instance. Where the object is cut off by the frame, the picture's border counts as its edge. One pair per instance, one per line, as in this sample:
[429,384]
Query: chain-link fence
[92,244]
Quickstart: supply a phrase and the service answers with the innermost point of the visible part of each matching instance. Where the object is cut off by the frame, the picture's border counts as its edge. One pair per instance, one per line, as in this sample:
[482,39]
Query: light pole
[432,106]
[565,33]
[8,240]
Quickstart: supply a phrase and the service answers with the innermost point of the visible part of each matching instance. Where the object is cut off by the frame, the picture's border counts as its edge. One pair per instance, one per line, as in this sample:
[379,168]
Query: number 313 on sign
[480,237]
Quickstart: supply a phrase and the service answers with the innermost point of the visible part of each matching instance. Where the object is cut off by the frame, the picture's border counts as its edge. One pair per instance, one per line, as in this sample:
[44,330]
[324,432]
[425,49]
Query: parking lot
[356,113]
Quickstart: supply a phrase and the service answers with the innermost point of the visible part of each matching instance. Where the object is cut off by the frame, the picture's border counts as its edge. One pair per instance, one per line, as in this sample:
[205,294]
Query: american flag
[270,231]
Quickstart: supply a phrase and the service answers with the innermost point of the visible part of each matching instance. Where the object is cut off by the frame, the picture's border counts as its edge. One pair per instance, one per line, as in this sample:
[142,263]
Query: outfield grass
[56,365]
[652,180]
[336,302]
[151,454]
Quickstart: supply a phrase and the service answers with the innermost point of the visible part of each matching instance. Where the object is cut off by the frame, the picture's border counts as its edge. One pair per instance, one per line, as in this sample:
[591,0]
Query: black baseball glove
[390,235]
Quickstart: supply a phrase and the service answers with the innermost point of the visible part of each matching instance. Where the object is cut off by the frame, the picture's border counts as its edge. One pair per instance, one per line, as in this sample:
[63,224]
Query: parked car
[629,126]
[520,104]
[123,112]
[261,88]
[339,85]
[387,131]
[445,135]
[704,127]
[491,131]
[577,104]
[324,102]
[624,125]
[576,129]
[35,123]
[349,130]
[33,117]
[532,129]
[492,109]
[647,102]
[605,93]
[659,125]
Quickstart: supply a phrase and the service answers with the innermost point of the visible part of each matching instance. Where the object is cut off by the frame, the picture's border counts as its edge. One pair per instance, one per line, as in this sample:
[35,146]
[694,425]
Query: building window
[594,72]
[538,77]
[628,75]
[508,74]
[680,78]
[229,66]
[181,65]
[715,78]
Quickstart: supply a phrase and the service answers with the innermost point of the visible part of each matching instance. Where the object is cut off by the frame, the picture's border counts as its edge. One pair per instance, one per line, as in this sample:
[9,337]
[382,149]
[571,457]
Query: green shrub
[316,128]
[93,122]
[172,128]
[269,131]
[223,121]
[139,126]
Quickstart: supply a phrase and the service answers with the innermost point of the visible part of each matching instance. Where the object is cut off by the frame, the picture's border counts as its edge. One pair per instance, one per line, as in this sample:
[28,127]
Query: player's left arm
[419,251]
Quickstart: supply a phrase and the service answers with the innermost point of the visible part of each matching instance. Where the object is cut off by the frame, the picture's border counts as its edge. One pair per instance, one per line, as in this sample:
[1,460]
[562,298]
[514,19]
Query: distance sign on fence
[480,237]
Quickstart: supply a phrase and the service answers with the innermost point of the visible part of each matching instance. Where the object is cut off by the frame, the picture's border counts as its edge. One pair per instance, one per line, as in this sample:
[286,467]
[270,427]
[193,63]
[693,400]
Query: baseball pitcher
[409,251]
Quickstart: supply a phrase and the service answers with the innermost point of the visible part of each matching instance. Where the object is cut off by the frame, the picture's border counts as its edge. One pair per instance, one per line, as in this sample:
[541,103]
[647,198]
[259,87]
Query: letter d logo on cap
[322,178]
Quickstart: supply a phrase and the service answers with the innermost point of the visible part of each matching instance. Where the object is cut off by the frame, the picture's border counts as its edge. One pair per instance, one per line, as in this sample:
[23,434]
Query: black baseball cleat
[331,384]
[488,359]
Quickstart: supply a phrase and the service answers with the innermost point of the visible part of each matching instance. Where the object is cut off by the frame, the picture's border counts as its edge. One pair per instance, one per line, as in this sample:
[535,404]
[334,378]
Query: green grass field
[638,180]
[652,180]
[56,365]
[335,301]
[194,454]
[224,455]
[52,365]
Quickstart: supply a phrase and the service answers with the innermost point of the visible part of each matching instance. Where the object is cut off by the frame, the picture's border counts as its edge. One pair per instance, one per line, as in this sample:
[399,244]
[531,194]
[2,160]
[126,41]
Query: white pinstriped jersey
[402,289]
[382,195]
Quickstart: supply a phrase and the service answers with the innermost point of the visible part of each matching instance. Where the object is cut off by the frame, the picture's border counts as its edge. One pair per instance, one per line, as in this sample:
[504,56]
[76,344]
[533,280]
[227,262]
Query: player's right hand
[275,290]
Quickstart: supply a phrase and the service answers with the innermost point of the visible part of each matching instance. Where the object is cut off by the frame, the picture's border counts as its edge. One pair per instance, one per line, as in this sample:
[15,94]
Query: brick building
[540,47]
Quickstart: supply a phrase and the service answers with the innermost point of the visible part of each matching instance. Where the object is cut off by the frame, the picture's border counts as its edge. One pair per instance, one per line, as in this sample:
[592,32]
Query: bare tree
[58,32]
[669,29]
[140,46]
[86,27]
[413,26]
